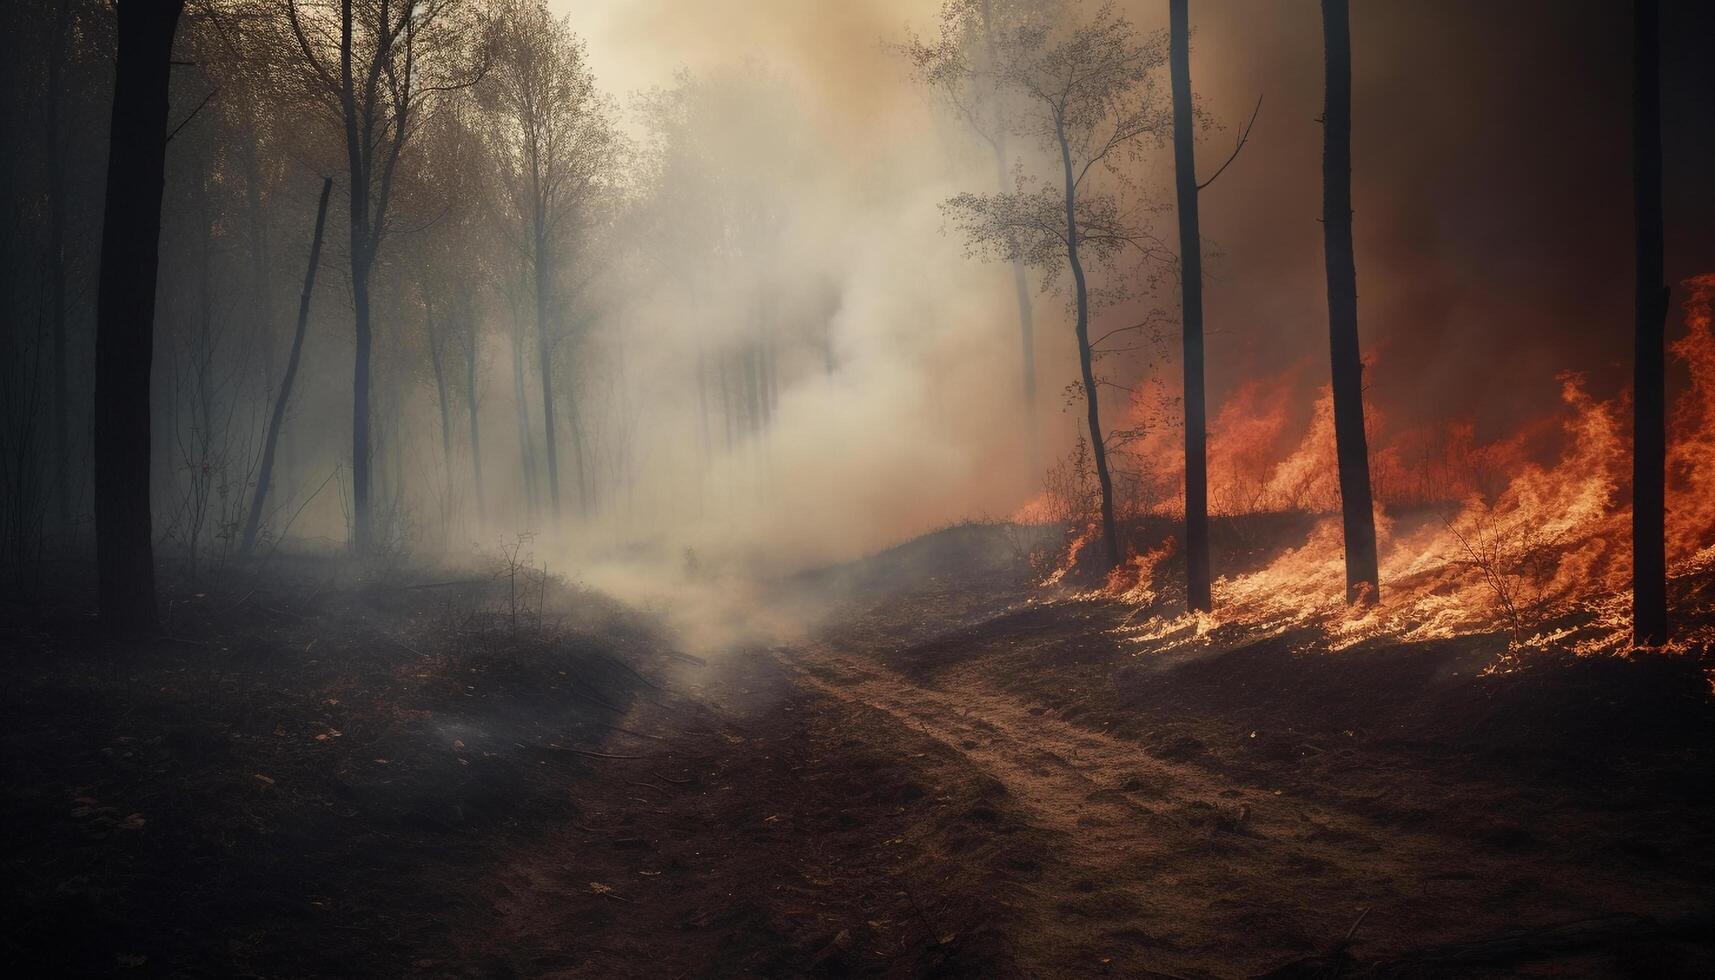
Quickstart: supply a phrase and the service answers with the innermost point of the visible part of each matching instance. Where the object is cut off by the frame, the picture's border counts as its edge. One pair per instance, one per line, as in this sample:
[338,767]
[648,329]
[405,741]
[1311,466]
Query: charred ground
[950,773]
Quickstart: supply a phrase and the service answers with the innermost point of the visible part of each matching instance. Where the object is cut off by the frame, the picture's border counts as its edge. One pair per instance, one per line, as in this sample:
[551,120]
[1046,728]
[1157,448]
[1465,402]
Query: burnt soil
[946,774]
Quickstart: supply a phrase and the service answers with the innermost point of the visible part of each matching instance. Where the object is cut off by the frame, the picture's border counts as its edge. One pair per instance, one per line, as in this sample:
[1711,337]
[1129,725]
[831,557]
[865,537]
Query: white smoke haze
[775,354]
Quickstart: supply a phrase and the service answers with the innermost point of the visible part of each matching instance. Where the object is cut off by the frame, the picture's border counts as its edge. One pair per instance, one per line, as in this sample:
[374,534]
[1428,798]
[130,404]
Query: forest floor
[940,773]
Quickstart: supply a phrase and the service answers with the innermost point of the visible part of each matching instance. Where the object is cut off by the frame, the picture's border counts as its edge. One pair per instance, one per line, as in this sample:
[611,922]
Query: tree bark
[1649,418]
[276,421]
[1351,444]
[1197,588]
[125,313]
[1086,362]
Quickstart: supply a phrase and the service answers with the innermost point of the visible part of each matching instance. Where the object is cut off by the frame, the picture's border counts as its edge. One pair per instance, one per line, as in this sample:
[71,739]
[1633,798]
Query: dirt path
[1156,865]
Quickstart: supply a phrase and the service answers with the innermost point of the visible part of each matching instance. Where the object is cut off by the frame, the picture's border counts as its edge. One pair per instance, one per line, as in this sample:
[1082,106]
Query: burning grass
[1475,538]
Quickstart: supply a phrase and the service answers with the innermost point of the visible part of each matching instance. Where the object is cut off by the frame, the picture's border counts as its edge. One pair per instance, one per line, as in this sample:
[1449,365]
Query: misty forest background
[433,275]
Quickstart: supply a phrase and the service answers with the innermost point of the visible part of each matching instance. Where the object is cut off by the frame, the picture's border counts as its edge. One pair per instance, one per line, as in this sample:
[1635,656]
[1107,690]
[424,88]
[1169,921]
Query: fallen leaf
[134,822]
[267,779]
[383,761]
[601,889]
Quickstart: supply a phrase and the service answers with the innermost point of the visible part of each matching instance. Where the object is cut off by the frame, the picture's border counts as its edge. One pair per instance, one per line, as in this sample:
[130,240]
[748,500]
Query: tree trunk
[521,405]
[125,313]
[1351,444]
[544,354]
[265,474]
[436,365]
[56,263]
[1649,419]
[360,446]
[469,325]
[1197,589]
[1086,363]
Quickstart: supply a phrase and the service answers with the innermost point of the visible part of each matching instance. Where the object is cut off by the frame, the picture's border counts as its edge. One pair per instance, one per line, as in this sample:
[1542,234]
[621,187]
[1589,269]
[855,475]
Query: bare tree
[125,318]
[962,62]
[1351,443]
[1649,418]
[372,66]
[555,142]
[1089,96]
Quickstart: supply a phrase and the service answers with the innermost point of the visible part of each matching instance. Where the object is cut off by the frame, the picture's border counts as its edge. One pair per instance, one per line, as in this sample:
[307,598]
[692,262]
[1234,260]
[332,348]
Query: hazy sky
[1491,161]
[1491,189]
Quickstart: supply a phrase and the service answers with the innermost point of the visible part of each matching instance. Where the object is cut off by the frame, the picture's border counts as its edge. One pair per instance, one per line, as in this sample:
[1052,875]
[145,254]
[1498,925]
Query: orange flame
[1497,542]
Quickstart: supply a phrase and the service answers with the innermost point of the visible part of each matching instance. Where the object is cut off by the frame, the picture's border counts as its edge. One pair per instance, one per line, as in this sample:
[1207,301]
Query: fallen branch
[583,752]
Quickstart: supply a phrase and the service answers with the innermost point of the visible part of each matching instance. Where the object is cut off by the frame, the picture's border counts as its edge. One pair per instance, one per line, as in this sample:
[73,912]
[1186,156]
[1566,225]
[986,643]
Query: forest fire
[513,489]
[1475,538]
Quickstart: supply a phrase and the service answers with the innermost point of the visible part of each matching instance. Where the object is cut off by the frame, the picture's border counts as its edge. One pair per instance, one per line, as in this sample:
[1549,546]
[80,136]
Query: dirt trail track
[1156,865]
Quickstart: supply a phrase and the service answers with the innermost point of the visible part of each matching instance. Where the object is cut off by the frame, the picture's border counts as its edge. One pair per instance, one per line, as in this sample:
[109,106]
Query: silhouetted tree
[372,67]
[125,317]
[1088,96]
[277,420]
[1649,418]
[1197,575]
[1351,444]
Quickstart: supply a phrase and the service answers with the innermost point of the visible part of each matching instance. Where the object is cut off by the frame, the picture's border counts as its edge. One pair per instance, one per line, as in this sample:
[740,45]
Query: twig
[1354,930]
[585,752]
[622,665]
[193,114]
[1243,138]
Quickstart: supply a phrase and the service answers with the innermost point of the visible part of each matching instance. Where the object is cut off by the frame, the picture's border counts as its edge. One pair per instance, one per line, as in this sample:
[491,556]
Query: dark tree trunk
[1351,445]
[276,421]
[56,263]
[125,313]
[1086,363]
[360,444]
[1649,419]
[437,351]
[1197,591]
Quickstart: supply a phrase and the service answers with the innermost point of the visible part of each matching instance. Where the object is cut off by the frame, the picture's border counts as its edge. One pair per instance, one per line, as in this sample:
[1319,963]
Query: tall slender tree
[1088,96]
[1198,592]
[125,312]
[1197,587]
[963,63]
[372,67]
[555,143]
[283,397]
[1649,418]
[1351,445]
